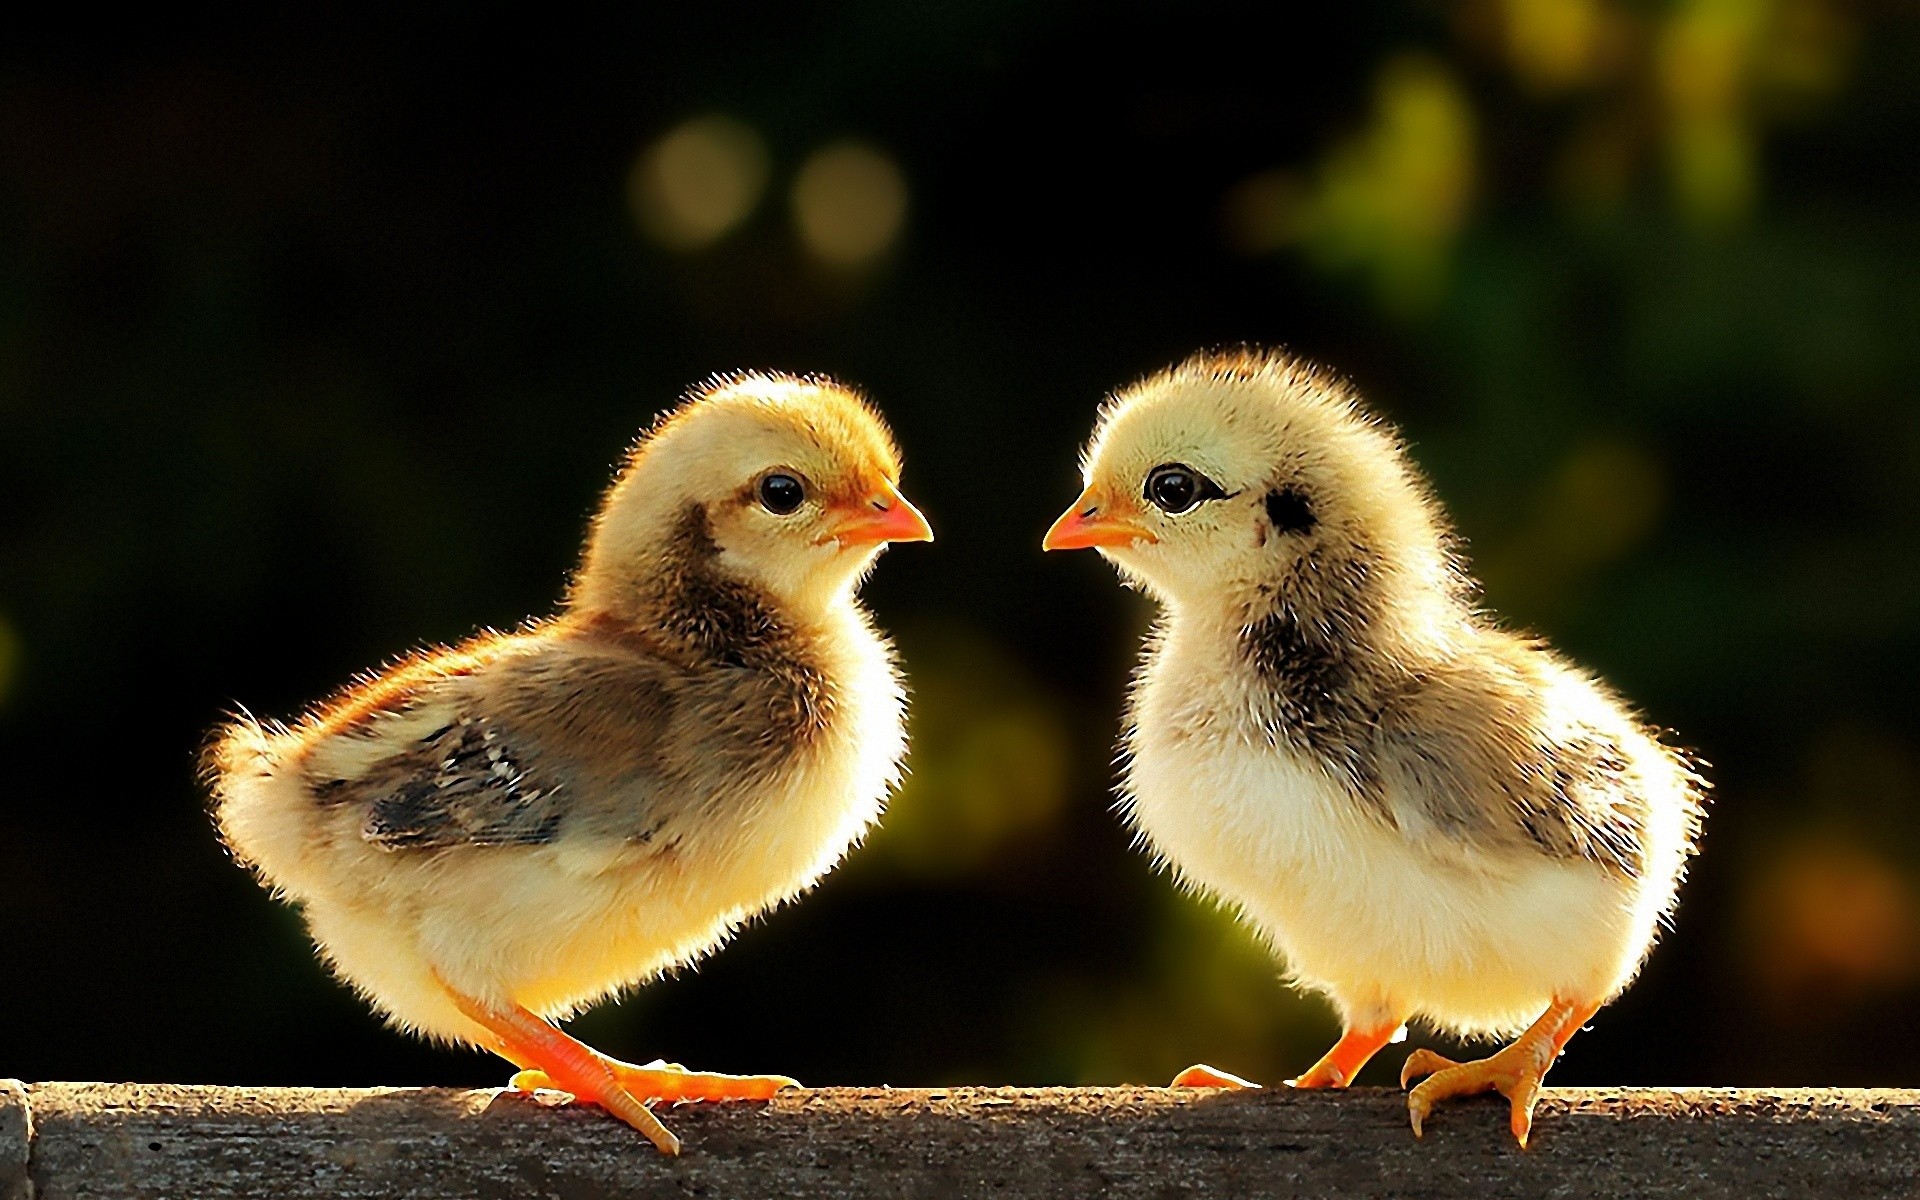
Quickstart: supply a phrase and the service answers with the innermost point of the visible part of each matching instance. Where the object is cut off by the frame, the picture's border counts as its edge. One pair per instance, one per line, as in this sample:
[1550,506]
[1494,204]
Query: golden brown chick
[1426,816]
[487,838]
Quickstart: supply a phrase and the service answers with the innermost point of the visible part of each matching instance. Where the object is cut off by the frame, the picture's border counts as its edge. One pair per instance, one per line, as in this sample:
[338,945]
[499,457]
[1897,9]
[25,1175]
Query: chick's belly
[553,940]
[605,932]
[1361,912]
[506,926]
[381,958]
[1474,953]
[560,927]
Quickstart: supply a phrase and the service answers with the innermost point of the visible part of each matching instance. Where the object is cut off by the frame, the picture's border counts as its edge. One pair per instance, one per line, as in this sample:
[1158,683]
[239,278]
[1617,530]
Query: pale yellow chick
[1427,817]
[487,838]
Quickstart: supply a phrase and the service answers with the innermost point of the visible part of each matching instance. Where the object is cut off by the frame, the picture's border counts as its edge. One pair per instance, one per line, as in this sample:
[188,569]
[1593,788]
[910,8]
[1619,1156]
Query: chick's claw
[534,1080]
[1514,1072]
[1200,1075]
[1320,1075]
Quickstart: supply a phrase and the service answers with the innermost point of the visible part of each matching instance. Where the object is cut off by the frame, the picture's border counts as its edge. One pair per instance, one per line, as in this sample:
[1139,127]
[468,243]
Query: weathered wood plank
[16,1135]
[108,1141]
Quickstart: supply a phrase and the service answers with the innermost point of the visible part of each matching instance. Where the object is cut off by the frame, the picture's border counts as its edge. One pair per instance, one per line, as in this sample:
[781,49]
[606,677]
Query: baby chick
[1426,816]
[487,838]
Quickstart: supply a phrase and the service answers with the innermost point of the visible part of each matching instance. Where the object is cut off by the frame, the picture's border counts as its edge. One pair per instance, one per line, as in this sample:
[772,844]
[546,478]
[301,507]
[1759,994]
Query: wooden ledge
[62,1141]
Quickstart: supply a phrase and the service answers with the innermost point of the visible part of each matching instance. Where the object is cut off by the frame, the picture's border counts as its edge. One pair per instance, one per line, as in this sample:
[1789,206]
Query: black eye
[1175,488]
[781,493]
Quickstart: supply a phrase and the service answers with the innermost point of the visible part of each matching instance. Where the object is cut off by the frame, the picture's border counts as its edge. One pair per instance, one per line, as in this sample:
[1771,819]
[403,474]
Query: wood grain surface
[106,1141]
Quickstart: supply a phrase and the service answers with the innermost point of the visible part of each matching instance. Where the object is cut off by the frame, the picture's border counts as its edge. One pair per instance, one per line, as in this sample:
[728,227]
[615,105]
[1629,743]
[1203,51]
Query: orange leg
[549,1058]
[1515,1072]
[1339,1065]
[525,1039]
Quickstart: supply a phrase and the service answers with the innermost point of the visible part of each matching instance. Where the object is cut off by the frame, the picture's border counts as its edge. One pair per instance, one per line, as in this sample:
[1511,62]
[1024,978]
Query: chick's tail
[258,804]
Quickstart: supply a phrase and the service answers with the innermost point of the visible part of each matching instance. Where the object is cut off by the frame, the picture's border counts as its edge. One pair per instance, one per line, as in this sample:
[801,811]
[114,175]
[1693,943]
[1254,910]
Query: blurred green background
[318,338]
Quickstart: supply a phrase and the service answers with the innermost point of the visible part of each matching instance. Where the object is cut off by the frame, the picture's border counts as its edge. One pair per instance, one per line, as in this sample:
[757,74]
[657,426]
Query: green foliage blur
[319,337]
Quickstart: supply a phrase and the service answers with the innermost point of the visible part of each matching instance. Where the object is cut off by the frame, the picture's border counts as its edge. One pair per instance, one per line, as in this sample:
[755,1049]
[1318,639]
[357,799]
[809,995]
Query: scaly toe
[1509,1072]
[1417,1110]
[635,1112]
[1200,1075]
[1520,1119]
[1423,1062]
[677,1085]
[615,1099]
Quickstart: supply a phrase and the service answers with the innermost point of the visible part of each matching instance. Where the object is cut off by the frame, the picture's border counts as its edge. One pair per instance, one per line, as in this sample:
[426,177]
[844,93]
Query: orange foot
[1200,1075]
[669,1082]
[551,1059]
[1515,1072]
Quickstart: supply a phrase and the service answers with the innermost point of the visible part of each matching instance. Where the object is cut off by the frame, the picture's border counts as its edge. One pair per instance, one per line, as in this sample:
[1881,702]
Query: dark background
[318,338]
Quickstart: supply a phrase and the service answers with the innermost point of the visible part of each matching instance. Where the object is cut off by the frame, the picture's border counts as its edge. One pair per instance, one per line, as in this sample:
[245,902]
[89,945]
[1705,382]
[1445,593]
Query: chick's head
[788,484]
[1237,478]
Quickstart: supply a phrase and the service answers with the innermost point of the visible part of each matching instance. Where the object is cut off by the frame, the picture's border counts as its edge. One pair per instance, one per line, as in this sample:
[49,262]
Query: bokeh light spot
[1808,52]
[1604,499]
[1388,202]
[1830,918]
[1553,43]
[849,203]
[699,182]
[1706,55]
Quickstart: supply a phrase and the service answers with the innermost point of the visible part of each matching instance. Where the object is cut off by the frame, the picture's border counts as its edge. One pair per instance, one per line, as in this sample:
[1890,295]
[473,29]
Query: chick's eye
[780,493]
[1174,488]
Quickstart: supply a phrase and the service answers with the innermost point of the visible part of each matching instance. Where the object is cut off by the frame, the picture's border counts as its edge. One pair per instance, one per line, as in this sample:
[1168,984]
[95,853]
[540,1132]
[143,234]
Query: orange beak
[885,516]
[1082,527]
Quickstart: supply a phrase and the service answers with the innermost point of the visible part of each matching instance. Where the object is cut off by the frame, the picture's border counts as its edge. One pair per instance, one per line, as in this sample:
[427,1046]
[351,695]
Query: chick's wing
[460,783]
[514,751]
[1500,760]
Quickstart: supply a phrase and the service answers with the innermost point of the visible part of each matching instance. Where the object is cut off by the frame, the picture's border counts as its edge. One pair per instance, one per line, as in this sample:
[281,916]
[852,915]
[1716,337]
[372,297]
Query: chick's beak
[884,516]
[1084,526]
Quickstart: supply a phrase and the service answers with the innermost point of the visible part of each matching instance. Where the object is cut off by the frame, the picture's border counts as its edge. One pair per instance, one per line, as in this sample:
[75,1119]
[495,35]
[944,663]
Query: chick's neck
[682,600]
[1342,604]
